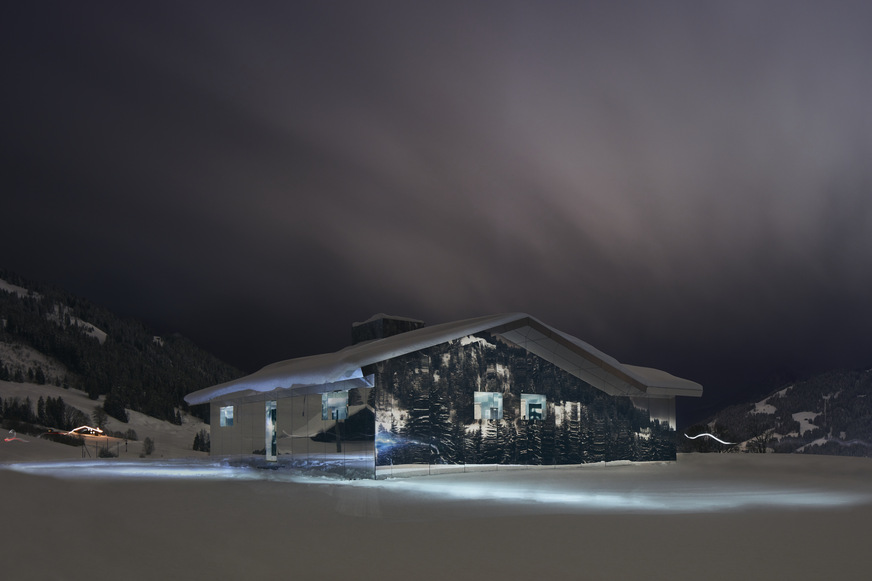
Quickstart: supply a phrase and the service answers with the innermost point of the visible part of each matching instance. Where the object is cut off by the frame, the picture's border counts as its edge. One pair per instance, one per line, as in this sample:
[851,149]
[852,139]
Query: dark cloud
[684,184]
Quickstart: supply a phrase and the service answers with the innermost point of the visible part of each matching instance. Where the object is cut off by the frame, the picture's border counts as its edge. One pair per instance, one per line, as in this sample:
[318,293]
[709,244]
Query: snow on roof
[344,367]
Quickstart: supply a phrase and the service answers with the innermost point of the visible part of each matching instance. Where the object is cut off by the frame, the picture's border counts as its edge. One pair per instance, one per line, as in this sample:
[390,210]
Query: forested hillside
[49,335]
[827,414]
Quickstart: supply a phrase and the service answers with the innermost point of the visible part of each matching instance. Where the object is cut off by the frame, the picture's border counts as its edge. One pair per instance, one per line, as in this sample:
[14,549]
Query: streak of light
[712,436]
[576,494]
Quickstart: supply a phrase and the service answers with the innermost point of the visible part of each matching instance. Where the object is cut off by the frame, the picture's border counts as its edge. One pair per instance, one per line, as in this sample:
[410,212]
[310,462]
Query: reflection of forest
[425,411]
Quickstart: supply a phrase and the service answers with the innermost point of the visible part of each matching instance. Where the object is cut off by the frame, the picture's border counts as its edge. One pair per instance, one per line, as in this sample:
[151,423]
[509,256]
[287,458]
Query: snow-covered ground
[763,407]
[717,516]
[805,420]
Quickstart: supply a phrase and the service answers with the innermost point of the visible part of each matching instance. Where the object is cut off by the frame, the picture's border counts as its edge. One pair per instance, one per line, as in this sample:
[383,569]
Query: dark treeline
[426,412]
[132,368]
[50,412]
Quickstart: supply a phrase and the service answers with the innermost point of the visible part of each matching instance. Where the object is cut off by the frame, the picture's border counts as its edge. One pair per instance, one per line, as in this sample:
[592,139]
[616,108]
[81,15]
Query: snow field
[716,516]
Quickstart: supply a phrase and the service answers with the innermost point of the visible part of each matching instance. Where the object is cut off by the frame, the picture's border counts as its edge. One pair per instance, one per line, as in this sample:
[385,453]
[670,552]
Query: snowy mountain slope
[13,289]
[830,414]
[170,440]
[62,316]
[25,360]
[98,352]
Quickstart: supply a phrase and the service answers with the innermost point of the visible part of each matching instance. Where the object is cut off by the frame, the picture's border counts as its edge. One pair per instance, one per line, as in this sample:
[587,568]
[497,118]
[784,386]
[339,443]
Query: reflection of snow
[470,339]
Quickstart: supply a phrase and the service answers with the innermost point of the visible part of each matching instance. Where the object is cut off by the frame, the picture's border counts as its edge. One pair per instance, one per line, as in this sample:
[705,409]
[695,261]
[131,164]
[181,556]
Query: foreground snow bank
[725,516]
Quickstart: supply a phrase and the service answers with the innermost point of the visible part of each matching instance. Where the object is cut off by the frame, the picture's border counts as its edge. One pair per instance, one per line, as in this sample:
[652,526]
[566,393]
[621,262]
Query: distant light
[13,437]
[75,431]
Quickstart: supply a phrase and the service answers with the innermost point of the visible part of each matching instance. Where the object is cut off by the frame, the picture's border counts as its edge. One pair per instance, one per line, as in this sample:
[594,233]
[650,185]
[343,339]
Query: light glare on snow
[568,494]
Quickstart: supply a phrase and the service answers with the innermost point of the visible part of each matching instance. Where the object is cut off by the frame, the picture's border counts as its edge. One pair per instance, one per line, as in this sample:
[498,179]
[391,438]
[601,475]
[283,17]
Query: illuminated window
[225,414]
[488,405]
[334,405]
[533,406]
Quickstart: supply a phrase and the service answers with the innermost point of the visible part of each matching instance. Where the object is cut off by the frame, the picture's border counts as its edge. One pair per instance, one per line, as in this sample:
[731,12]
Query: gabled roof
[343,369]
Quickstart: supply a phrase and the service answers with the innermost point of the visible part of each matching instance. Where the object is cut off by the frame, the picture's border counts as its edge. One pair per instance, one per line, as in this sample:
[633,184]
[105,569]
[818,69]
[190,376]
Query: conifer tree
[40,410]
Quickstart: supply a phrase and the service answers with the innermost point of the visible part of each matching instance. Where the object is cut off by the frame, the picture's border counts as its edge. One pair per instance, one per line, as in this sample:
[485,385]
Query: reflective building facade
[409,399]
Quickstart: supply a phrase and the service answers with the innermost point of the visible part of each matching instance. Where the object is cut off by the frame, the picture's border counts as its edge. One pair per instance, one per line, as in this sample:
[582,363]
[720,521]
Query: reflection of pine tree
[491,436]
[418,430]
[475,446]
[645,449]
[441,436]
[534,435]
[599,444]
[574,452]
[432,392]
[623,446]
[585,435]
[522,443]
[458,444]
[549,429]
[663,441]
[561,437]
[509,445]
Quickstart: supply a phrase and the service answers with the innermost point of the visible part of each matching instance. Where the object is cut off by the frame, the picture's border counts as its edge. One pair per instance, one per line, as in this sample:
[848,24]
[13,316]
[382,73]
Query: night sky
[684,185]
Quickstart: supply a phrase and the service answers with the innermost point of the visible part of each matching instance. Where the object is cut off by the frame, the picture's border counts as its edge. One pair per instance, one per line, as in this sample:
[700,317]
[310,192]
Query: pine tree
[40,410]
[418,430]
[99,416]
[114,406]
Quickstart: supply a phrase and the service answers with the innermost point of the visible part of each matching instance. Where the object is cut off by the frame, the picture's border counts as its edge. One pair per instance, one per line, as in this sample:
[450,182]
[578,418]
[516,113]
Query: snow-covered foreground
[716,516]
